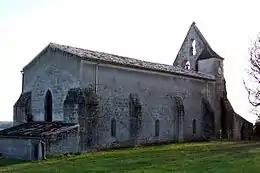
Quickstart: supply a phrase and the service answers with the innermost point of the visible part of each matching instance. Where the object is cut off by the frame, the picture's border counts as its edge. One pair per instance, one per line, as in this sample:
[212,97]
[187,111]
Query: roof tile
[121,60]
[37,129]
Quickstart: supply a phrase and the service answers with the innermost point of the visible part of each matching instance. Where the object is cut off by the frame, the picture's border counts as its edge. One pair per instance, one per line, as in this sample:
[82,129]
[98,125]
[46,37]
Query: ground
[213,157]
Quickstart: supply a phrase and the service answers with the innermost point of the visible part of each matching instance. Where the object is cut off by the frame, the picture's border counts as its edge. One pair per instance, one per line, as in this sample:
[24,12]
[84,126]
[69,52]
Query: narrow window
[157,128]
[113,127]
[192,47]
[194,126]
[48,106]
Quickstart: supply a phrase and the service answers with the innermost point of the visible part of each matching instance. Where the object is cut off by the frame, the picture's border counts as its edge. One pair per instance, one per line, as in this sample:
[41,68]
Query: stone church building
[76,99]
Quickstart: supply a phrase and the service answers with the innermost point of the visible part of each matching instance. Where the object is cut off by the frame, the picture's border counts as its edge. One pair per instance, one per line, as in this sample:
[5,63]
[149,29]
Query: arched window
[187,65]
[48,106]
[194,126]
[157,128]
[113,127]
[193,47]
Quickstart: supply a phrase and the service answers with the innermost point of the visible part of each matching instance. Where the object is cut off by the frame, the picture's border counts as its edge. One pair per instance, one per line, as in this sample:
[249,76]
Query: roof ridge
[109,58]
[112,54]
[127,61]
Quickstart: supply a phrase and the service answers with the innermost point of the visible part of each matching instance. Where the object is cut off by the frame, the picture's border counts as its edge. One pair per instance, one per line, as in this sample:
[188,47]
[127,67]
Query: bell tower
[197,55]
[195,48]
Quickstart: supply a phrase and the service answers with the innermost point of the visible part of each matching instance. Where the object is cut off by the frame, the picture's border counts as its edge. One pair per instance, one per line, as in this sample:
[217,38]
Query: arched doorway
[48,106]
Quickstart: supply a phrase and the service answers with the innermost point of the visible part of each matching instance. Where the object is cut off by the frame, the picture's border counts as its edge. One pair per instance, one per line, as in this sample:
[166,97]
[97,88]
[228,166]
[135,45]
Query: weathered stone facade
[120,101]
[20,148]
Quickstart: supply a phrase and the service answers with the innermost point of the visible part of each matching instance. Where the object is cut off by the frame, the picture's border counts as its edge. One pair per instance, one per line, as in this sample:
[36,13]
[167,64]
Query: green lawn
[212,157]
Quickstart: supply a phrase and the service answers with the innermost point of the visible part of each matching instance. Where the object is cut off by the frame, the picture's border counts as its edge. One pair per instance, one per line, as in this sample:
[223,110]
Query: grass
[212,157]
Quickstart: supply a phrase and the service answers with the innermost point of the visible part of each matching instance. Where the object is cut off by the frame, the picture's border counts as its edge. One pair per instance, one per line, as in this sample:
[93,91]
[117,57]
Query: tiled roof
[125,61]
[37,129]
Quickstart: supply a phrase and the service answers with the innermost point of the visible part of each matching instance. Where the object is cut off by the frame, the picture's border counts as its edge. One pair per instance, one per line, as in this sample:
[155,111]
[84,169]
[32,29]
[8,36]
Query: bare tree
[252,83]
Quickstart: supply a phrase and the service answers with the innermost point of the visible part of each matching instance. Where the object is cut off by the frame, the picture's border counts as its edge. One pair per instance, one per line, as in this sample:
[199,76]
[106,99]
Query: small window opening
[194,126]
[193,47]
[48,106]
[113,127]
[187,65]
[157,128]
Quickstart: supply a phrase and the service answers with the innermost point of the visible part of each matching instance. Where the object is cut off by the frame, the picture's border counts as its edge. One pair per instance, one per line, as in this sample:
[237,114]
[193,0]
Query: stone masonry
[120,101]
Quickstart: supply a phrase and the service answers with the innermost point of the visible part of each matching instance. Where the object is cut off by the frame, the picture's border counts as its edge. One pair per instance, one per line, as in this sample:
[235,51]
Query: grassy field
[212,157]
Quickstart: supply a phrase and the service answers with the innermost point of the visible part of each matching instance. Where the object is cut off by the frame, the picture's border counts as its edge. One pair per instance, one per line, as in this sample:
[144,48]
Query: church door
[36,151]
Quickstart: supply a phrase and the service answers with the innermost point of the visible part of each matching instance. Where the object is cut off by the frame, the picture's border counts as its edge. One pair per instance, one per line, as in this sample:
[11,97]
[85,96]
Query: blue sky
[148,30]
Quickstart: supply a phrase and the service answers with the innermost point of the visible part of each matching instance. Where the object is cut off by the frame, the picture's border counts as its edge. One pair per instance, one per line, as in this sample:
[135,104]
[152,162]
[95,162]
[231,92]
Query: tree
[255,111]
[252,83]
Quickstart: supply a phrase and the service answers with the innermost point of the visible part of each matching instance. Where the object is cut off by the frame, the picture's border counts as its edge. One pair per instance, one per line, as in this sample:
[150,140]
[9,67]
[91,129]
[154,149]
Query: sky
[145,29]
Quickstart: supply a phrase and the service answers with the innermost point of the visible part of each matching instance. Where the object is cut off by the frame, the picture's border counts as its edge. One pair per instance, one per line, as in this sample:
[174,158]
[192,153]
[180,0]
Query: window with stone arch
[157,128]
[113,127]
[48,106]
[194,124]
[192,50]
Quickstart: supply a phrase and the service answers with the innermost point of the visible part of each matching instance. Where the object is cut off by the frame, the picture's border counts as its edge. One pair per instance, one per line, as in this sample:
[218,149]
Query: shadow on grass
[9,162]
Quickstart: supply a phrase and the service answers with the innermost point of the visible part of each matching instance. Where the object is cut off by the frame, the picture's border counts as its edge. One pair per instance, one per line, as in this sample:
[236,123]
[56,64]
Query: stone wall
[23,149]
[65,142]
[29,148]
[156,92]
[141,106]
[242,129]
[114,86]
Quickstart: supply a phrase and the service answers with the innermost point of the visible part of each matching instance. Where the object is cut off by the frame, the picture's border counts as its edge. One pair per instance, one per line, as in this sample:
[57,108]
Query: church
[74,100]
